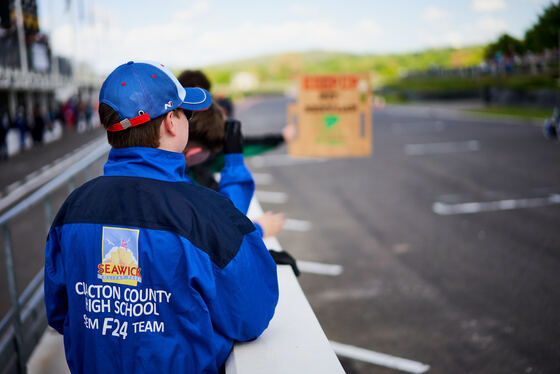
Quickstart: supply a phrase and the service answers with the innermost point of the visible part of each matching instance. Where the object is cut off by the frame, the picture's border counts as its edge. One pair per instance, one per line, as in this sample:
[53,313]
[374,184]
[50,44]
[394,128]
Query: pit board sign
[333,116]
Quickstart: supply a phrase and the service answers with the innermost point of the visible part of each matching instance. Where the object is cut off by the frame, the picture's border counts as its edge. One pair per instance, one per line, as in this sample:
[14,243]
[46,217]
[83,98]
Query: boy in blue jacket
[144,271]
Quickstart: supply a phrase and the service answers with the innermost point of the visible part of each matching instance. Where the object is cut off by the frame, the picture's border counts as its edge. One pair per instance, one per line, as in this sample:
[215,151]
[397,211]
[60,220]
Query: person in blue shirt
[146,271]
[210,133]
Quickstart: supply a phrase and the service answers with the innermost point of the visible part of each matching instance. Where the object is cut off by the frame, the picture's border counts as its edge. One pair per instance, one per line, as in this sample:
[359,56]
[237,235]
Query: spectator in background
[252,145]
[53,116]
[88,112]
[81,119]
[210,133]
[4,128]
[21,125]
[38,130]
[213,160]
[69,113]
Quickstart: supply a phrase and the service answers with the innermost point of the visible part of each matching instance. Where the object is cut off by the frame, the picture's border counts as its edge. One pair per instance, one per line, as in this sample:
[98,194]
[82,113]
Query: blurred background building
[33,80]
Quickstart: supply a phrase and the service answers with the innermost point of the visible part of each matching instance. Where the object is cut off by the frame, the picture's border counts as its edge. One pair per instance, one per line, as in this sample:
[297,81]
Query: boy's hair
[194,78]
[145,135]
[207,128]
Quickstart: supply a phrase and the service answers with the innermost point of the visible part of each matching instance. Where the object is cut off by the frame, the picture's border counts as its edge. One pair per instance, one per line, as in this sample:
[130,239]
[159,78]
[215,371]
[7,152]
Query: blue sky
[194,34]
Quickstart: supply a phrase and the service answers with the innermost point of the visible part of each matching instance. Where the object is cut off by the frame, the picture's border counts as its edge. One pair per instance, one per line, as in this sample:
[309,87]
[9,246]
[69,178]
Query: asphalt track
[472,291]
[447,237]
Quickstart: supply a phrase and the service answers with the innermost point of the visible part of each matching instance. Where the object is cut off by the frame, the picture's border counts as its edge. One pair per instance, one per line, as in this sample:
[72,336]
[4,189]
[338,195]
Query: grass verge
[522,112]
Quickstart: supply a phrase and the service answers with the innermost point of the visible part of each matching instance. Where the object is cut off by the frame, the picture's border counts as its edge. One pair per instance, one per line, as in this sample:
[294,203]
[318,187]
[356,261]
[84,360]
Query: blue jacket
[236,182]
[146,272]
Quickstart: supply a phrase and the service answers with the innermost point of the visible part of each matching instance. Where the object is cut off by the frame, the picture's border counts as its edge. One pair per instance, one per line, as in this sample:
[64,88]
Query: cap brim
[196,99]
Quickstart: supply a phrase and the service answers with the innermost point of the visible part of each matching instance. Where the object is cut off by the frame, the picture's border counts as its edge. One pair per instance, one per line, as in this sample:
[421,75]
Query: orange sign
[333,116]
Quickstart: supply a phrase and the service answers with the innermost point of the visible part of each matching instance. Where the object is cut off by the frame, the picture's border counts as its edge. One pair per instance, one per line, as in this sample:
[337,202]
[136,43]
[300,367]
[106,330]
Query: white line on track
[255,211]
[377,358]
[425,112]
[491,206]
[31,175]
[59,160]
[319,268]
[282,160]
[271,197]
[440,148]
[418,127]
[262,179]
[297,225]
[13,186]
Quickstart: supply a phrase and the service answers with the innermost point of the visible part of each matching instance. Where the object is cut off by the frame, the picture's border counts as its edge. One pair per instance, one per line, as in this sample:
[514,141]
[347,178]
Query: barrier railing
[294,341]
[25,322]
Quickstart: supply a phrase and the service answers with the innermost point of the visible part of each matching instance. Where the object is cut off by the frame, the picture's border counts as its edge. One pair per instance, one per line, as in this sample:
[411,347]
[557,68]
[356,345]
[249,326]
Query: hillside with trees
[514,71]
[275,72]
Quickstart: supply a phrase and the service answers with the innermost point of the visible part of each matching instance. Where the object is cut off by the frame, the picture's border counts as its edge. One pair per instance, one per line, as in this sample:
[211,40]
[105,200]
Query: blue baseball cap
[144,90]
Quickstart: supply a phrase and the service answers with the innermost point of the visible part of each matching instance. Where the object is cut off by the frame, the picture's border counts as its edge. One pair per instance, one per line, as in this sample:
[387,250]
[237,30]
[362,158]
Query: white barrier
[294,342]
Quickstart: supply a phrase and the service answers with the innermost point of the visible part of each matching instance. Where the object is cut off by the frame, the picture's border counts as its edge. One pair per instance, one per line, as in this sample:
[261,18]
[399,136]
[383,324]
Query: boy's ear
[196,154]
[168,124]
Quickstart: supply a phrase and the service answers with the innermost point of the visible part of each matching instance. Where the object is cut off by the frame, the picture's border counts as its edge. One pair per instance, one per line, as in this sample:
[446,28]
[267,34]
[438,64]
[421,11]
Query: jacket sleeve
[259,229]
[56,300]
[244,295]
[236,182]
[255,144]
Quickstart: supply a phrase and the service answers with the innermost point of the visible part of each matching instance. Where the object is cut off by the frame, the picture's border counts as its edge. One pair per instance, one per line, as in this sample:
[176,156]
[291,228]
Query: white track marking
[262,179]
[377,358]
[282,160]
[31,175]
[271,197]
[319,268]
[440,148]
[427,112]
[417,127]
[491,206]
[13,186]
[297,225]
[255,211]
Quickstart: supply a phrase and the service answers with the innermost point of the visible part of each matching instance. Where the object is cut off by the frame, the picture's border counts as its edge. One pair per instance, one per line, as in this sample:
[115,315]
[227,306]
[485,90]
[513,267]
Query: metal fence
[25,322]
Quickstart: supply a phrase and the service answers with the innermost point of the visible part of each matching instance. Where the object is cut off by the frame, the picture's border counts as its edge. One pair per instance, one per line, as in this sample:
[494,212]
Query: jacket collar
[146,163]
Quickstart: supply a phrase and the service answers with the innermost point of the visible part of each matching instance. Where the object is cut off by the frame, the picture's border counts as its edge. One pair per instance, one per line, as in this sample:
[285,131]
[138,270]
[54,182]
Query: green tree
[505,44]
[544,34]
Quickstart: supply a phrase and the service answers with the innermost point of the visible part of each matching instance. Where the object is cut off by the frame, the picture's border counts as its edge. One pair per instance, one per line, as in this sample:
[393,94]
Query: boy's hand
[289,132]
[271,223]
[233,140]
